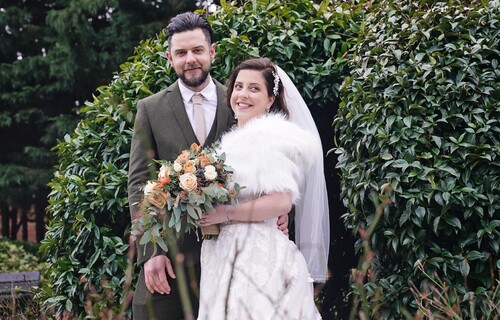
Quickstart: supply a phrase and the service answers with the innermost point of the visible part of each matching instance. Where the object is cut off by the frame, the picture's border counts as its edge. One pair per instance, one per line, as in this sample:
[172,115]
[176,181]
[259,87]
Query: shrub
[420,117]
[86,242]
[19,256]
[309,41]
[16,256]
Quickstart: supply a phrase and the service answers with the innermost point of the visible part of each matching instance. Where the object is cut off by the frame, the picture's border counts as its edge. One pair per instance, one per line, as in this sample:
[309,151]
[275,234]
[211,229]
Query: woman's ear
[271,101]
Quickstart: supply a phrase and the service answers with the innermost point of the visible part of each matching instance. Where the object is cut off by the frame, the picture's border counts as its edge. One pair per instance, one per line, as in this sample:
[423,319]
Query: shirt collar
[209,92]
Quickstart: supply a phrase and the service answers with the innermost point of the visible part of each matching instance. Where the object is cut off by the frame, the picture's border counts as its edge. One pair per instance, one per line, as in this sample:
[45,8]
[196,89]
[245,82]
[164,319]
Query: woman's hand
[265,207]
[215,217]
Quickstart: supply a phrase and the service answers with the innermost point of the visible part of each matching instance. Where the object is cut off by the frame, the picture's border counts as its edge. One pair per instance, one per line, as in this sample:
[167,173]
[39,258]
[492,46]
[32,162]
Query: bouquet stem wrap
[210,232]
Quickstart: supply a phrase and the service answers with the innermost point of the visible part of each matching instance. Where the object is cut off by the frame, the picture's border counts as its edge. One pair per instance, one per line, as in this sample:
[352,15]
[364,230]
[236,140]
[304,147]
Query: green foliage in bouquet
[86,243]
[419,117]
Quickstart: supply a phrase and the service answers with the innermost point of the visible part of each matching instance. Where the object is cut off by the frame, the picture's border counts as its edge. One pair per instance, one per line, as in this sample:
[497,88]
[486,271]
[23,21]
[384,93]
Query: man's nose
[190,57]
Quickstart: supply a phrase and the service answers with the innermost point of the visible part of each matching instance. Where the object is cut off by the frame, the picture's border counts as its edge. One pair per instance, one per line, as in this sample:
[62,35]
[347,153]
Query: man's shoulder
[160,95]
[219,85]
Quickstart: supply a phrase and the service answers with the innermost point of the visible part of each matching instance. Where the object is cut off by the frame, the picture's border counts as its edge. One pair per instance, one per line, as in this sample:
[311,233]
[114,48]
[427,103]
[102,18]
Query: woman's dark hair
[268,70]
[188,21]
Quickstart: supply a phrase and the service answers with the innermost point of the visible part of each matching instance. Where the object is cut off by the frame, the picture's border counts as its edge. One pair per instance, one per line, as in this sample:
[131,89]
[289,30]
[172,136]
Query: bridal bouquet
[185,188]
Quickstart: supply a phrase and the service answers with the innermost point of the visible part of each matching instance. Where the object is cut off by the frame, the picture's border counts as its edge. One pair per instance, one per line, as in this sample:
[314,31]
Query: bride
[252,270]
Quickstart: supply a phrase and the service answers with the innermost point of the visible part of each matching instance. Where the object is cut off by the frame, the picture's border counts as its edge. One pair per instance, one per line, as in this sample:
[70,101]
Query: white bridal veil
[312,223]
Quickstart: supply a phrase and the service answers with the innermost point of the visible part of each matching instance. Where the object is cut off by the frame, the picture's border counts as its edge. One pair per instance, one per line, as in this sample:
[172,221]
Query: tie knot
[197,98]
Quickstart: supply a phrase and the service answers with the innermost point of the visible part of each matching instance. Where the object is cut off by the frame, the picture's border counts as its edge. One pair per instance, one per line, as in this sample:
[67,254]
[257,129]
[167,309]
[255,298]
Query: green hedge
[86,242]
[420,117]
[16,256]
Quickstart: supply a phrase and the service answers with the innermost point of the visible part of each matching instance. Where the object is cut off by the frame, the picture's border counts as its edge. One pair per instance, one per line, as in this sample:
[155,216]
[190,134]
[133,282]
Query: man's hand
[283,223]
[155,275]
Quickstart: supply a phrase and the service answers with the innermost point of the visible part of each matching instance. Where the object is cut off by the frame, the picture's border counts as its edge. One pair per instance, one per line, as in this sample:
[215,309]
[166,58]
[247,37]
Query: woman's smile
[243,105]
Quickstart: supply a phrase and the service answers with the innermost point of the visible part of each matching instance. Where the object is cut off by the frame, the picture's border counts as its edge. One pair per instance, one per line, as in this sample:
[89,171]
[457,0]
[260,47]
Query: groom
[167,123]
[164,126]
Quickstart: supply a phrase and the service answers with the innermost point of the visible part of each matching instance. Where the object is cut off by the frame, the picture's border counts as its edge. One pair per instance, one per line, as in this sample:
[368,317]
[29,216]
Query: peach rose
[195,147]
[188,182]
[204,161]
[189,167]
[159,199]
[183,157]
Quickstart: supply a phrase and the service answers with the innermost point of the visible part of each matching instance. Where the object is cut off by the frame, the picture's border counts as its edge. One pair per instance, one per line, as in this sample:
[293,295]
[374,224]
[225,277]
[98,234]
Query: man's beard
[195,82]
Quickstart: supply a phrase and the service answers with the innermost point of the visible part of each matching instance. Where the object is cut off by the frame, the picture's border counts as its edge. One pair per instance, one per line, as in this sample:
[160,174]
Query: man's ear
[213,49]
[169,56]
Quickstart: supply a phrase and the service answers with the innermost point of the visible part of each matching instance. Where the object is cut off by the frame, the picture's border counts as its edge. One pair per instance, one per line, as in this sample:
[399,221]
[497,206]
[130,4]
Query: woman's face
[250,98]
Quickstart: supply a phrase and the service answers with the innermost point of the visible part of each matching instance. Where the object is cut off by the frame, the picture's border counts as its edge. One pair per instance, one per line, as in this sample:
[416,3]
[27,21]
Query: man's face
[191,57]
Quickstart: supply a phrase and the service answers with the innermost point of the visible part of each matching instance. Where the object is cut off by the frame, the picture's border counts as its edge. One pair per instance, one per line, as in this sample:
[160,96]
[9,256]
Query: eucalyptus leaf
[192,211]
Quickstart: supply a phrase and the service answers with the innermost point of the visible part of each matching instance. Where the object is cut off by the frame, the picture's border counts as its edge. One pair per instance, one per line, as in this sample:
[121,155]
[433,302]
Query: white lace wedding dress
[252,270]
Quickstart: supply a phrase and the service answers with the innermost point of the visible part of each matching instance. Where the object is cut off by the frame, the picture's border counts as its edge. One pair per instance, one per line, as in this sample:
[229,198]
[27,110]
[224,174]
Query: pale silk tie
[199,118]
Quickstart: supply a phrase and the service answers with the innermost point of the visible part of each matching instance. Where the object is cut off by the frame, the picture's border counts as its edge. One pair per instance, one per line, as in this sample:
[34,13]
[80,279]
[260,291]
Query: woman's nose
[243,93]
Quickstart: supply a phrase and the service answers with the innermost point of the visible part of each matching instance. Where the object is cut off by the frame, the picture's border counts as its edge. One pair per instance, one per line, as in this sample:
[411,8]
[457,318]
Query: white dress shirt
[209,103]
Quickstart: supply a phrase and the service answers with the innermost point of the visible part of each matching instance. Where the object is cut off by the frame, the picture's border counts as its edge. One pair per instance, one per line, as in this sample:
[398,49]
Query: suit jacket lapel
[177,104]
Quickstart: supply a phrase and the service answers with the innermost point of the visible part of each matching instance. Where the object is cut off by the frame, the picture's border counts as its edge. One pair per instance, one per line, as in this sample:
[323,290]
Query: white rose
[149,187]
[177,167]
[163,172]
[210,172]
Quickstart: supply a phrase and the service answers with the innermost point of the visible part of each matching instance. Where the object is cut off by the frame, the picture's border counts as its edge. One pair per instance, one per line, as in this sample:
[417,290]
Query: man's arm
[142,153]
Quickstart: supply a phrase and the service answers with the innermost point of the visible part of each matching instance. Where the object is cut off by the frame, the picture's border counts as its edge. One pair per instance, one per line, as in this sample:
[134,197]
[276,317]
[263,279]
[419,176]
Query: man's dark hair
[188,21]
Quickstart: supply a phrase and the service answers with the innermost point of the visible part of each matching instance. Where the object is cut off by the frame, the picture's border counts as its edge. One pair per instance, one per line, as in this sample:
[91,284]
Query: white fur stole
[269,154]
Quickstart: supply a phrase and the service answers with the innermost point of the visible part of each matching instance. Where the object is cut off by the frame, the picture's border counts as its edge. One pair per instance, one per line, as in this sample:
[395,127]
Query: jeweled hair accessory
[276,84]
